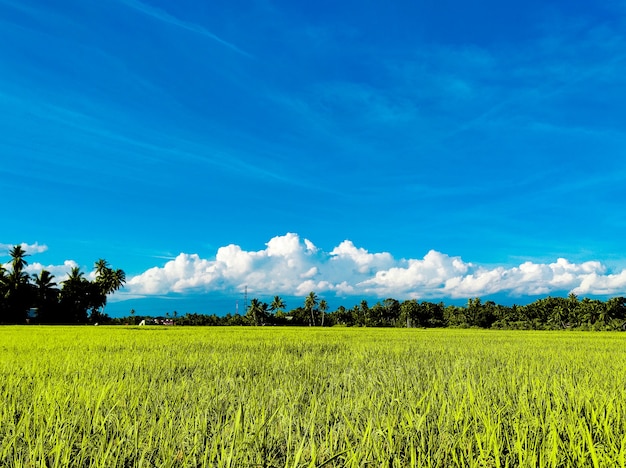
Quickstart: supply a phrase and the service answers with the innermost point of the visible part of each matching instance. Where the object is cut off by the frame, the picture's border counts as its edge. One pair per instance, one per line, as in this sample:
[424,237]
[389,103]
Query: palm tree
[3,280]
[101,265]
[4,285]
[108,281]
[17,287]
[75,275]
[277,304]
[256,311]
[103,275]
[119,278]
[559,314]
[615,308]
[310,304]
[364,312]
[604,315]
[323,307]
[76,298]
[47,296]
[573,309]
[17,254]
[44,283]
[111,280]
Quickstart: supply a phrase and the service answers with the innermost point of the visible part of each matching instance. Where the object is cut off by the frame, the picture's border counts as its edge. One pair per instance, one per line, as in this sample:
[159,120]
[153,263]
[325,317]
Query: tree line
[38,298]
[549,313]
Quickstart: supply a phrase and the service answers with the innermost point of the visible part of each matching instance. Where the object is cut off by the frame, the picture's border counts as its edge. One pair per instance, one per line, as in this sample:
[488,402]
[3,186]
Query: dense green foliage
[294,397]
[550,313]
[38,299]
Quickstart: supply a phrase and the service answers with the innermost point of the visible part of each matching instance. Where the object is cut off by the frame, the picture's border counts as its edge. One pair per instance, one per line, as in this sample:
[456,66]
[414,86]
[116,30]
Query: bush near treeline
[38,299]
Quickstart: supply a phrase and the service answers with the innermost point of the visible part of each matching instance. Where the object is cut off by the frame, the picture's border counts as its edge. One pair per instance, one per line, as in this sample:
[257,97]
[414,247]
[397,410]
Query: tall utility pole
[245,299]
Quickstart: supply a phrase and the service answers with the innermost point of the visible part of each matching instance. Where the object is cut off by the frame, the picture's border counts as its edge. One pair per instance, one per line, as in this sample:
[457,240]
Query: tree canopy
[547,313]
[39,299]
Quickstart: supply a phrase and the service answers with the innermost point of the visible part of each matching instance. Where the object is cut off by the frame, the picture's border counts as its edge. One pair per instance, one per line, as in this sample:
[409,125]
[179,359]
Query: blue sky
[435,150]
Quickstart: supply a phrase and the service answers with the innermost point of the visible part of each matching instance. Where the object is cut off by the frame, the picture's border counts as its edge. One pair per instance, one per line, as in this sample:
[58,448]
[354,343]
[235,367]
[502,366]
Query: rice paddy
[310,397]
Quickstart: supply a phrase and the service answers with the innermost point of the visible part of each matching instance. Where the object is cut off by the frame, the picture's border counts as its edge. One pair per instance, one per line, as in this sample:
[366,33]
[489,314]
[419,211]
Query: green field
[275,397]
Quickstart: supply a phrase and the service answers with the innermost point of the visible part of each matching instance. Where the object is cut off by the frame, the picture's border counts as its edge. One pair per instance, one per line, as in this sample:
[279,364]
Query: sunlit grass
[126,396]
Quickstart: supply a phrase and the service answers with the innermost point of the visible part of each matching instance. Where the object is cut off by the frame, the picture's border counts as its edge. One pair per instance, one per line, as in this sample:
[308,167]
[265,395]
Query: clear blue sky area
[360,149]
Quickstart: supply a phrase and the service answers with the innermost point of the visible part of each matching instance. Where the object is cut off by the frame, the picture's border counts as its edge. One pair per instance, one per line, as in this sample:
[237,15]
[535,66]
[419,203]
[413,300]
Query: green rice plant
[302,397]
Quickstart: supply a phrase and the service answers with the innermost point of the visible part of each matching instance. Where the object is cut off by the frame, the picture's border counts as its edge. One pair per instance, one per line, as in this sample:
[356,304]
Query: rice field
[302,397]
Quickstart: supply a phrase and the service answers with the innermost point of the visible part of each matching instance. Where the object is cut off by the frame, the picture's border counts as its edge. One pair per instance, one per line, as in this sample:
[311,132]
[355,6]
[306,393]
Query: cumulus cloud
[417,276]
[359,259]
[290,265]
[60,272]
[285,263]
[30,249]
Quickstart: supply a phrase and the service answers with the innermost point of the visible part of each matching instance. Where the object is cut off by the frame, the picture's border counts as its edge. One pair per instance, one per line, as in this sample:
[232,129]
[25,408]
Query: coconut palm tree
[17,292]
[76,275]
[257,311]
[310,304]
[18,263]
[47,296]
[558,316]
[119,279]
[44,282]
[277,304]
[103,275]
[101,265]
[76,298]
[107,281]
[4,286]
[323,307]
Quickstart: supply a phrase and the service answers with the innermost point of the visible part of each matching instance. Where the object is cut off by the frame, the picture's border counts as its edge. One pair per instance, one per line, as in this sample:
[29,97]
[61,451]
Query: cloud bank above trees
[291,265]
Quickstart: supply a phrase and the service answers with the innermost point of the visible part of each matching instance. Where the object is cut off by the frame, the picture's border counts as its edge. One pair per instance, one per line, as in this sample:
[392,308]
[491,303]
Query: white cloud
[183,273]
[280,267]
[602,284]
[347,255]
[293,266]
[30,249]
[428,274]
[60,272]
[290,265]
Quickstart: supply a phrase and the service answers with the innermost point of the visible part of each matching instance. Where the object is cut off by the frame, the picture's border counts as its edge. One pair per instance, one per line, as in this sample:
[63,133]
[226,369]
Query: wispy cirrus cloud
[166,17]
[293,266]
